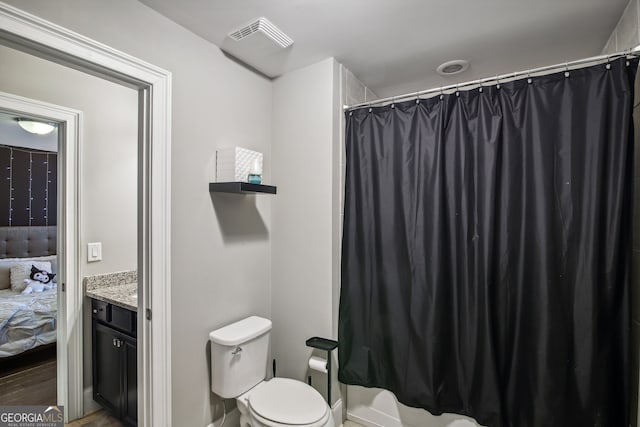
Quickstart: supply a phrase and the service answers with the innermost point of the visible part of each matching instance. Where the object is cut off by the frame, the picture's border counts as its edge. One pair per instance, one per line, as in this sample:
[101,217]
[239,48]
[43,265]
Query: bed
[26,321]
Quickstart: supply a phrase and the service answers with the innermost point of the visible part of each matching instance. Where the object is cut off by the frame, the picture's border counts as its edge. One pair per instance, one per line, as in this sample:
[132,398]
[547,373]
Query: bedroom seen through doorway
[28,260]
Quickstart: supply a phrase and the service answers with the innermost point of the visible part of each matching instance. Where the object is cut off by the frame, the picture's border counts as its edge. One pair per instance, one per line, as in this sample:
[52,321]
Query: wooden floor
[31,380]
[34,383]
[96,419]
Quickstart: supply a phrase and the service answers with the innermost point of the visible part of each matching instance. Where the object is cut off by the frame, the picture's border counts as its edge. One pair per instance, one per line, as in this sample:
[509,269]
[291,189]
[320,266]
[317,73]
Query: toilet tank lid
[241,331]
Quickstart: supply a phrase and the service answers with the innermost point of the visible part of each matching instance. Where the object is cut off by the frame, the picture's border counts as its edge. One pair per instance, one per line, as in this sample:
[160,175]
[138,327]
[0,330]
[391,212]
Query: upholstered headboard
[27,242]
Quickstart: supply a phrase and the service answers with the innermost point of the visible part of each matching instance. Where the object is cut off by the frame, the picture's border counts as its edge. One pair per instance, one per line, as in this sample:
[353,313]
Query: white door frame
[69,319]
[30,33]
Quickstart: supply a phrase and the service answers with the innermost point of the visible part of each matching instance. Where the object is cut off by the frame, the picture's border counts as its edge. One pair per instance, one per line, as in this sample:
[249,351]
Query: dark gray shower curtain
[486,250]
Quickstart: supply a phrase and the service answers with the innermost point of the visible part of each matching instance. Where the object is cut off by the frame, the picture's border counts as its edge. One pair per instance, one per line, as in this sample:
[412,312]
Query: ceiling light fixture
[33,126]
[450,68]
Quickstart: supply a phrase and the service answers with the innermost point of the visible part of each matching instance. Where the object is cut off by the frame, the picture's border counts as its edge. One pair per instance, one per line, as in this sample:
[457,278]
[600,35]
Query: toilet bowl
[283,402]
[239,355]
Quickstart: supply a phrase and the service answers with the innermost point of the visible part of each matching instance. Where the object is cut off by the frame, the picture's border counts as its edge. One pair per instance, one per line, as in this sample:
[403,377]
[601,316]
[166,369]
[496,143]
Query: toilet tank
[239,356]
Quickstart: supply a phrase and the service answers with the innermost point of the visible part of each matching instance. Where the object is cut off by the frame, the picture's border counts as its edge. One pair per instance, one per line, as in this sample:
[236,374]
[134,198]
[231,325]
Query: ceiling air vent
[265,28]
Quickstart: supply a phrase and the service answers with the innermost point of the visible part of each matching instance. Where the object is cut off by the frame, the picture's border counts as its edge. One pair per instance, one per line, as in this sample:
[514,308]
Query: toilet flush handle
[237,350]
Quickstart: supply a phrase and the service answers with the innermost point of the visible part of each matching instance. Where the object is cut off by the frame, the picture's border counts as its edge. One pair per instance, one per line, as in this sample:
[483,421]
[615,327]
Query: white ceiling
[395,46]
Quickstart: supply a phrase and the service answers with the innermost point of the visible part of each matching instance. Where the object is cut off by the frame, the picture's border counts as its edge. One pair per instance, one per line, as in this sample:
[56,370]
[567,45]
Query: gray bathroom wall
[308,167]
[305,132]
[626,34]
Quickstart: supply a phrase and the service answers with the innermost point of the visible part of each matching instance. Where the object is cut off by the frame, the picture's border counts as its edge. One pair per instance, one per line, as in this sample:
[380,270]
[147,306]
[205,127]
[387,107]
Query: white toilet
[239,357]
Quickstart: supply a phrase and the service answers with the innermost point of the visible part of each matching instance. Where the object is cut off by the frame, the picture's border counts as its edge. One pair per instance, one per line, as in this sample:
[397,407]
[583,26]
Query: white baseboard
[337,412]
[233,420]
[367,419]
[88,404]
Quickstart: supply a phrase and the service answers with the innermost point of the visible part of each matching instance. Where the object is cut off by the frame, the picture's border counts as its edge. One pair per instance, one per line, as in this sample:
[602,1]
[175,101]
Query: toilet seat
[284,401]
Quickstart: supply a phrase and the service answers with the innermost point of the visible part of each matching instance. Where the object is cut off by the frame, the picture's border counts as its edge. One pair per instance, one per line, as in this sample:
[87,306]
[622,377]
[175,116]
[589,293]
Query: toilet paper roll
[318,364]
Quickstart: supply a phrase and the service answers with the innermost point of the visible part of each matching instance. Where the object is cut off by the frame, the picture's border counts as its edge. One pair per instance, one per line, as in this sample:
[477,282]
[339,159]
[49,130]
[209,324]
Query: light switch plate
[94,252]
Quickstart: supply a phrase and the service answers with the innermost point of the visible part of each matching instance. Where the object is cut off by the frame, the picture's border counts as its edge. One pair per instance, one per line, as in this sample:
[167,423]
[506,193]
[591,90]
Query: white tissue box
[234,164]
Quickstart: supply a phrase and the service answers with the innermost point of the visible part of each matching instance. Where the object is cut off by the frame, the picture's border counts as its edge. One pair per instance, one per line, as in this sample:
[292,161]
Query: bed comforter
[26,321]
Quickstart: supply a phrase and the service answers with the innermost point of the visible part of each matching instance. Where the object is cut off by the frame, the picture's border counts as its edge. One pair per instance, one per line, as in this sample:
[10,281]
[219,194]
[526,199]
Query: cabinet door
[130,411]
[107,367]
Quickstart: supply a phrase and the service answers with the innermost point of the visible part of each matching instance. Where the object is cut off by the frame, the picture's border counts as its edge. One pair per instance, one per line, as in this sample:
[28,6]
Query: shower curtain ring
[529,77]
[497,82]
[457,91]
[441,94]
[393,102]
[566,69]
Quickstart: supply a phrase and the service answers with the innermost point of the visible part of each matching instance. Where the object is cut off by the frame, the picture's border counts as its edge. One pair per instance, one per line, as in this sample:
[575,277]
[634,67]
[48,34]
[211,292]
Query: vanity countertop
[125,296]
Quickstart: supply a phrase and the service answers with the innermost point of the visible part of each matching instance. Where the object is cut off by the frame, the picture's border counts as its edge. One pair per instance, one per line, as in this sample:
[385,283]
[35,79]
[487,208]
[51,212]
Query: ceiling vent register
[264,26]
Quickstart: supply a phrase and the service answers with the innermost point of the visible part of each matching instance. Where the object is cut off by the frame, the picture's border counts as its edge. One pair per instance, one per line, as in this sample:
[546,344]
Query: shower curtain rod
[504,77]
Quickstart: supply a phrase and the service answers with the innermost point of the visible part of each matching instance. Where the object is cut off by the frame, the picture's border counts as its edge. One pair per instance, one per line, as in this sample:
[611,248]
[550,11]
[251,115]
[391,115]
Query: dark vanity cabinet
[115,360]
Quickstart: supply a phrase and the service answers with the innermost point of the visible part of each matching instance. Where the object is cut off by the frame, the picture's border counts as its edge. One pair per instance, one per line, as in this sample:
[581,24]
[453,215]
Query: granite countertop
[125,296]
[120,288]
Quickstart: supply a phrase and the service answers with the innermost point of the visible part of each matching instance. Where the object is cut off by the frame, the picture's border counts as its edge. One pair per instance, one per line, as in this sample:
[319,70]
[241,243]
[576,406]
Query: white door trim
[27,32]
[69,333]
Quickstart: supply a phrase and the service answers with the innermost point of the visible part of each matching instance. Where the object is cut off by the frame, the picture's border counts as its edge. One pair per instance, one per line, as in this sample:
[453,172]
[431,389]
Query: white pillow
[22,270]
[7,263]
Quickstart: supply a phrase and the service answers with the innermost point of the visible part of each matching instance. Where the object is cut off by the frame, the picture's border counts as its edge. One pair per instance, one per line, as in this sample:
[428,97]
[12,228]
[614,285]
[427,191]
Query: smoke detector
[451,68]
[259,44]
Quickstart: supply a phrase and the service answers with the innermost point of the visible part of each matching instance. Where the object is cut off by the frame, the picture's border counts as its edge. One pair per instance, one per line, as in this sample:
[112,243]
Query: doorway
[68,346]
[28,299]
[31,34]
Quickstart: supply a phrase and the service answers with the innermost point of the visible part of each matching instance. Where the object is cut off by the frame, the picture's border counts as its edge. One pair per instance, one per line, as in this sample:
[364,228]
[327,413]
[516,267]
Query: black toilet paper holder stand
[328,346]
